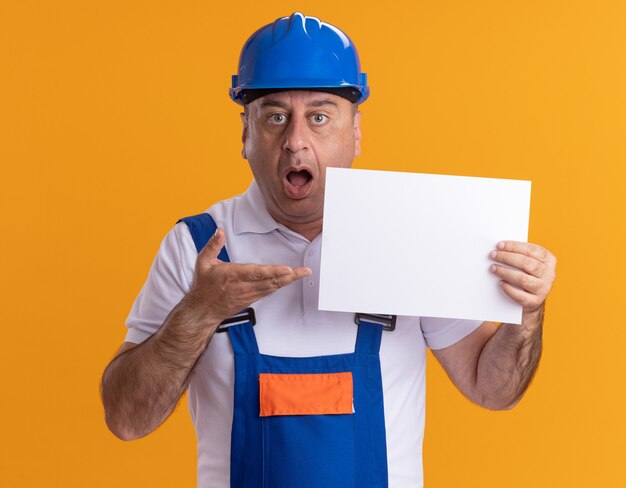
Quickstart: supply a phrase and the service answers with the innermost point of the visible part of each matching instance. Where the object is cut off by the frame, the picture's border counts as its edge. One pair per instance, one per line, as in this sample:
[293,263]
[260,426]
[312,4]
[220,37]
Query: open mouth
[298,183]
[299,178]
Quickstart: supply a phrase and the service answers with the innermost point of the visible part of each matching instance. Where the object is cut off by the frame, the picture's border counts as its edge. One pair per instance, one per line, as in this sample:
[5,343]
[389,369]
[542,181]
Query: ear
[244,133]
[357,134]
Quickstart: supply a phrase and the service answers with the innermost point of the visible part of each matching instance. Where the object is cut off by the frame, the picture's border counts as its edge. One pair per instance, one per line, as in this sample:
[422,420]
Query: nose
[296,136]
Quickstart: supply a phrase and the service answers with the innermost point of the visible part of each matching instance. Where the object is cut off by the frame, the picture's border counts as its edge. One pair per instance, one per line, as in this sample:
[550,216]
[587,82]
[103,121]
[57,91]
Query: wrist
[189,323]
[533,319]
[199,312]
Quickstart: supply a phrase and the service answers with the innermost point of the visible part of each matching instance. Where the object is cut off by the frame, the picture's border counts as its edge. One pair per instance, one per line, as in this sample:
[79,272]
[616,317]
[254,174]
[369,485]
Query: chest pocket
[306,394]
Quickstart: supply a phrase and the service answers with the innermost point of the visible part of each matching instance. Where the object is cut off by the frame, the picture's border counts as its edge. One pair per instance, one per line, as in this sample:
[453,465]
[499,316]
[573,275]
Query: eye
[277,118]
[319,119]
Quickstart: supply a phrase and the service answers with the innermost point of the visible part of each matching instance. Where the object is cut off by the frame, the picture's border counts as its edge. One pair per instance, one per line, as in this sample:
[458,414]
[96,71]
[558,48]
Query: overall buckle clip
[387,321]
[246,315]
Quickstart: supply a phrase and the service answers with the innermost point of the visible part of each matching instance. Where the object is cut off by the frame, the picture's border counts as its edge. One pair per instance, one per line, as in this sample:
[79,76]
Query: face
[289,139]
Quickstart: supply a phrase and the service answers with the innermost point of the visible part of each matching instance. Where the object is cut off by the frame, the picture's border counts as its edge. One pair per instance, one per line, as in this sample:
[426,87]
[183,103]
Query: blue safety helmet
[299,52]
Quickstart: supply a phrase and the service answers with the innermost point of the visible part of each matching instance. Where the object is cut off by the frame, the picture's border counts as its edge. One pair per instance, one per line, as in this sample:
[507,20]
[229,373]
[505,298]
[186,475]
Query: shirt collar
[251,214]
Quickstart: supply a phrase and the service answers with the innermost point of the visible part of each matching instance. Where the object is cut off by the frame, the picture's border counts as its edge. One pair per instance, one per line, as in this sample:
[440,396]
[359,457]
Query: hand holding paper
[532,272]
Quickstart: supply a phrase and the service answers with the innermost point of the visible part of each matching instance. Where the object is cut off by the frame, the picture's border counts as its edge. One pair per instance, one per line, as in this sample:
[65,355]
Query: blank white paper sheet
[418,244]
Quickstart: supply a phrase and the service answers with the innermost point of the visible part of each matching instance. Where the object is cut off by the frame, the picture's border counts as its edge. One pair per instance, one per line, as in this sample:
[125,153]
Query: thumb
[213,247]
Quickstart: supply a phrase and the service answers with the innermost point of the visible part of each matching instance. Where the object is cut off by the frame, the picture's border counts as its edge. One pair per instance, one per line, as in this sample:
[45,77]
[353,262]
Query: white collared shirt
[288,324]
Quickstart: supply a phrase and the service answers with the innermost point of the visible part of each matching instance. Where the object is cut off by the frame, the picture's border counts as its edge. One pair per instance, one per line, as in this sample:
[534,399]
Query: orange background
[115,121]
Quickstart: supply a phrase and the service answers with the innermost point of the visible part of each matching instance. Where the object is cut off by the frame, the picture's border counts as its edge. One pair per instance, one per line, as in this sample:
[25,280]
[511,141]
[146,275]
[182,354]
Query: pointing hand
[224,289]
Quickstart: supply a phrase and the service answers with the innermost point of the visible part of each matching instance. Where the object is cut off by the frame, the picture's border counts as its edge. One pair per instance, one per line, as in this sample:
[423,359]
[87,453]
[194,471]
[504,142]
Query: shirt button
[310,253]
[310,283]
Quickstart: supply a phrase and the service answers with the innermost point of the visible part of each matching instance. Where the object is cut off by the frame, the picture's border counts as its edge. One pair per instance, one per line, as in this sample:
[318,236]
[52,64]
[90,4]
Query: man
[304,397]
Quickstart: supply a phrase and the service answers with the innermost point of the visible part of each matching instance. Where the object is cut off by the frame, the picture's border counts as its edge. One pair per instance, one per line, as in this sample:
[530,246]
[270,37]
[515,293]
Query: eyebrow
[326,101]
[273,102]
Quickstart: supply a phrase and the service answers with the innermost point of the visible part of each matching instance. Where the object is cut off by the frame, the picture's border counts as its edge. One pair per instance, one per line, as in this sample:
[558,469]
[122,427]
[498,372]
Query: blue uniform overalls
[299,447]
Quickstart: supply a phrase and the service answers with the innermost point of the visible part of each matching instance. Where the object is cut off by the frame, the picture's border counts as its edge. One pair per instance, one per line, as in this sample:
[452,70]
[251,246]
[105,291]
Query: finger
[521,297]
[281,281]
[260,272]
[299,273]
[530,265]
[527,248]
[518,278]
[255,290]
[212,248]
